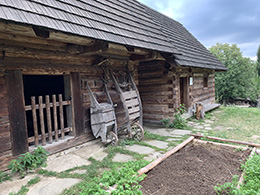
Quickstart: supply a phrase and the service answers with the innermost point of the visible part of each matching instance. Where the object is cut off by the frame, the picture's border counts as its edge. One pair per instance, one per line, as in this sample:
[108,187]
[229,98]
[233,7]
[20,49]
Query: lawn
[237,123]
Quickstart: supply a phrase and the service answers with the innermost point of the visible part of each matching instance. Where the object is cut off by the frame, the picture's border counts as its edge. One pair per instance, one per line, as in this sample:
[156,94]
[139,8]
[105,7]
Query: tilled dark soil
[195,169]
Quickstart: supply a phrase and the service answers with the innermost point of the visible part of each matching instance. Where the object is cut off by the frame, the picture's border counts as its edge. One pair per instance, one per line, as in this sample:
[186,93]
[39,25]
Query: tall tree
[258,60]
[241,78]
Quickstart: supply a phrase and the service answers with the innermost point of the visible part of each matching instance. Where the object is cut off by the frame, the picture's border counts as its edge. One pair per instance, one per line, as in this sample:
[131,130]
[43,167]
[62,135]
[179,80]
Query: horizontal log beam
[26,30]
[226,140]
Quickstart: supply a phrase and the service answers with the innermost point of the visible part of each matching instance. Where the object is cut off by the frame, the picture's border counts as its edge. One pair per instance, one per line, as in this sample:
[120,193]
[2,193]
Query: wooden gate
[53,113]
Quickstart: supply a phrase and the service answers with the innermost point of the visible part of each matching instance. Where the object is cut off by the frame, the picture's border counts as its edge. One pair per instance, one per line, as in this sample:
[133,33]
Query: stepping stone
[181,132]
[191,122]
[208,128]
[79,171]
[88,151]
[140,149]
[160,131]
[52,186]
[208,121]
[198,127]
[152,156]
[206,125]
[177,136]
[65,162]
[157,143]
[122,158]
[99,155]
[173,139]
[15,185]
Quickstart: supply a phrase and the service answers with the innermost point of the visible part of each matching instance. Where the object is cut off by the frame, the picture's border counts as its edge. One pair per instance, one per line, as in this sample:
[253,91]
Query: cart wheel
[137,132]
[112,138]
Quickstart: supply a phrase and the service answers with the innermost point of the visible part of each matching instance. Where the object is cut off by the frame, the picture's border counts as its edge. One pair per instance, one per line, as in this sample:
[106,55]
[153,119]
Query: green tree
[258,60]
[240,80]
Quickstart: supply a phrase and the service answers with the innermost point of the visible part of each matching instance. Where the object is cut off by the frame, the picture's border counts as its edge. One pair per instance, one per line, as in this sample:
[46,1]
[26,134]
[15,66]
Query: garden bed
[195,169]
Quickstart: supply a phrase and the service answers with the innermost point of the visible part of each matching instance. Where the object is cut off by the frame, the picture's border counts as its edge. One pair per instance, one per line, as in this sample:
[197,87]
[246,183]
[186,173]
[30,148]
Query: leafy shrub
[178,122]
[251,184]
[28,161]
[4,176]
[125,178]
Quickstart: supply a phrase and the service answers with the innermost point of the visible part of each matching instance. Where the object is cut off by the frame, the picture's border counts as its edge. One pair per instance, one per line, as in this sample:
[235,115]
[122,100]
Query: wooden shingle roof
[125,22]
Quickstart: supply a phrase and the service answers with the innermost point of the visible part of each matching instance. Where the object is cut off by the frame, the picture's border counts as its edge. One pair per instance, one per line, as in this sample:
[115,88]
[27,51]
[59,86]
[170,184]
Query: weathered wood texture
[160,89]
[5,136]
[16,111]
[96,84]
[156,91]
[77,108]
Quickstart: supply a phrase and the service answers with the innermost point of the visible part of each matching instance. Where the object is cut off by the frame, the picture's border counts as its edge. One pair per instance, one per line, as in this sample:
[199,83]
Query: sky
[217,21]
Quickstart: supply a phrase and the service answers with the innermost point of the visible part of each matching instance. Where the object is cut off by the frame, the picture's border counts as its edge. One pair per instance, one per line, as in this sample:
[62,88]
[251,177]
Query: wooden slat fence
[52,125]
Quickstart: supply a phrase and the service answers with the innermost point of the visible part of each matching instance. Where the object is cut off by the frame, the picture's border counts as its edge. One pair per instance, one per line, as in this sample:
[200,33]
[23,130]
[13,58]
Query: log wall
[159,87]
[157,91]
[5,136]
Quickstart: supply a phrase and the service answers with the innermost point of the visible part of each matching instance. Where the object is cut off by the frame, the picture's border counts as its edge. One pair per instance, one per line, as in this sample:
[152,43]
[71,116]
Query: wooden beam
[153,55]
[14,83]
[77,108]
[226,140]
[164,156]
[27,30]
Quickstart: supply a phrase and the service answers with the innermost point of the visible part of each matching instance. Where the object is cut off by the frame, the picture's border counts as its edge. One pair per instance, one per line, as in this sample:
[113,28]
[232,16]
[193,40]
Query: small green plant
[126,179]
[251,183]
[24,189]
[182,109]
[4,176]
[178,122]
[28,161]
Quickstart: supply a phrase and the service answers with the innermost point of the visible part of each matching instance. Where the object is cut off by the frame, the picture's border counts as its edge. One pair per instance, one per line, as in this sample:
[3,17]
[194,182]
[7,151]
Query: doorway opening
[184,97]
[47,106]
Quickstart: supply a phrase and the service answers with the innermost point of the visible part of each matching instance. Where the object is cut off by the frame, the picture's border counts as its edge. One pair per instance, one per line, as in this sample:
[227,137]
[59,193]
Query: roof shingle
[126,22]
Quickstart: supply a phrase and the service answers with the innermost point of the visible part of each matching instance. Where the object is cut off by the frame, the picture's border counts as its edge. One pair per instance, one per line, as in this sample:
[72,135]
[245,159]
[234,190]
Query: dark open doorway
[184,97]
[41,86]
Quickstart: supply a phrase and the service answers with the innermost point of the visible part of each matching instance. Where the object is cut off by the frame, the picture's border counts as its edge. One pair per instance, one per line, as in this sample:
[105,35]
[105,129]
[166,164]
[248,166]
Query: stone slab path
[79,155]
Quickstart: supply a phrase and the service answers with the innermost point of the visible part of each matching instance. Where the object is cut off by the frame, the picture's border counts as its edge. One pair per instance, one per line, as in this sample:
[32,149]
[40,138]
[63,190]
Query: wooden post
[48,111]
[55,117]
[14,84]
[199,111]
[42,121]
[35,125]
[76,100]
[61,116]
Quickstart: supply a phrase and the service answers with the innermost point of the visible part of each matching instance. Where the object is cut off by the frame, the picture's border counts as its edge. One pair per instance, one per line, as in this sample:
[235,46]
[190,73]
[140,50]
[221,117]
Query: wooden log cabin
[50,49]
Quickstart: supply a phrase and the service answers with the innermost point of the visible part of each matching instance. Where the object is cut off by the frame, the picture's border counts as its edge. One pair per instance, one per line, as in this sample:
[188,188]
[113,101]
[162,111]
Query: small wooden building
[50,49]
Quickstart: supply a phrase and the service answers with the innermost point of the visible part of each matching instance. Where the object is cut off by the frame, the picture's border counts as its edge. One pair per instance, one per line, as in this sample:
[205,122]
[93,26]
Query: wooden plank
[164,156]
[64,103]
[77,109]
[133,110]
[42,121]
[129,94]
[14,84]
[134,116]
[67,129]
[61,116]
[226,140]
[35,125]
[55,118]
[132,103]
[48,111]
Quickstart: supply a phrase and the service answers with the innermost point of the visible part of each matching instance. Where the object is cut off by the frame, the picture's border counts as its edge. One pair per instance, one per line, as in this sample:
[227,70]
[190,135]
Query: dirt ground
[195,169]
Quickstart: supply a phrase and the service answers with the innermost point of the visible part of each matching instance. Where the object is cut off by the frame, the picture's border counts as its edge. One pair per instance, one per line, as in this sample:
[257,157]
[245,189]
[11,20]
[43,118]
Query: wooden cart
[131,100]
[103,118]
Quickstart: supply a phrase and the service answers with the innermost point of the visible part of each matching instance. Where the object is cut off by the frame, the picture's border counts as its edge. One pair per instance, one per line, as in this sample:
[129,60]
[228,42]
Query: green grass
[243,121]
